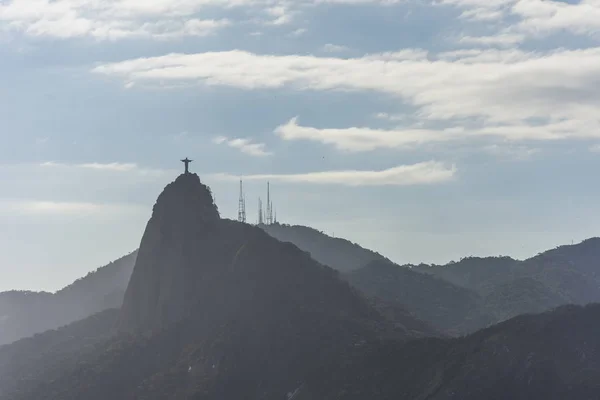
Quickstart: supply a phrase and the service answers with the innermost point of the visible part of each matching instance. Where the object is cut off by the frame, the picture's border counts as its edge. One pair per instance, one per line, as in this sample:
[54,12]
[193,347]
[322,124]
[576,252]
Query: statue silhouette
[187,164]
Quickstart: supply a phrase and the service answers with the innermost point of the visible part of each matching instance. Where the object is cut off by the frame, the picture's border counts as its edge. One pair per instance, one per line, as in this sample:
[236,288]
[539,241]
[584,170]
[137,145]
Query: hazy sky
[426,130]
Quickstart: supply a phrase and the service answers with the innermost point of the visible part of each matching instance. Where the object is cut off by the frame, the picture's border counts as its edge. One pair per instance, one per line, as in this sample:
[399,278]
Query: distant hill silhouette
[450,308]
[24,314]
[216,309]
[482,291]
[338,253]
[480,274]
[453,309]
[478,291]
[564,275]
[46,356]
[550,356]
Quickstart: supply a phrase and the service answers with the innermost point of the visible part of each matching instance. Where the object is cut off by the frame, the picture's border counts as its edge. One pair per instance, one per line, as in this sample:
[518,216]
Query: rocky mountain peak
[185,202]
[168,259]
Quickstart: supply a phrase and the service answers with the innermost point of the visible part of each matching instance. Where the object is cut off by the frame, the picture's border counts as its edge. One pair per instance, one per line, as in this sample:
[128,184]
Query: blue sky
[426,130]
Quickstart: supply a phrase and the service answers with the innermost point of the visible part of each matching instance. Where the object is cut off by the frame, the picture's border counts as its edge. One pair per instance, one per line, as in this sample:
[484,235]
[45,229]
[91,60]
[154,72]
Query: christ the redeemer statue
[187,165]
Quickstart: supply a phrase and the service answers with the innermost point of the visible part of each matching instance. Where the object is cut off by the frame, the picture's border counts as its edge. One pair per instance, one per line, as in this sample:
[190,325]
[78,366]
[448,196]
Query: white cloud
[487,56]
[281,15]
[114,167]
[481,10]
[402,55]
[430,172]
[542,17]
[395,117]
[334,48]
[513,152]
[482,14]
[504,90]
[37,207]
[244,145]
[119,19]
[110,20]
[364,139]
[360,139]
[97,166]
[298,32]
[219,139]
[500,39]
[537,17]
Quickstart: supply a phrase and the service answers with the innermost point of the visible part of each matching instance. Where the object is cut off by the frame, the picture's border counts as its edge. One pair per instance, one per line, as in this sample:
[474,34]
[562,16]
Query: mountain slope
[453,309]
[564,275]
[450,308]
[550,356]
[24,314]
[480,274]
[53,352]
[218,309]
[338,253]
[572,272]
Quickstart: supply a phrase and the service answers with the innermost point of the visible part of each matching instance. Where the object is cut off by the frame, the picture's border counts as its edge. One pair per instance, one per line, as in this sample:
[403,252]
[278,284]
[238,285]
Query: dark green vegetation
[24,314]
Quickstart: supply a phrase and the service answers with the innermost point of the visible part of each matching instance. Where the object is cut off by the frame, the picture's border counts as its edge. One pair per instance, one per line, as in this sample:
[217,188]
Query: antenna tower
[260,212]
[268,216]
[242,204]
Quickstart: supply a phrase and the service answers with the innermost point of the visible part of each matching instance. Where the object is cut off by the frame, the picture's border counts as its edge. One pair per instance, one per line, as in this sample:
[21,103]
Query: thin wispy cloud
[62,208]
[114,167]
[425,173]
[595,148]
[500,39]
[511,153]
[360,139]
[245,145]
[334,48]
[280,14]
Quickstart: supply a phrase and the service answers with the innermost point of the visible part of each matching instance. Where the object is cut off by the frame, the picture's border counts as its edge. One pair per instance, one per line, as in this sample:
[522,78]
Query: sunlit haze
[424,130]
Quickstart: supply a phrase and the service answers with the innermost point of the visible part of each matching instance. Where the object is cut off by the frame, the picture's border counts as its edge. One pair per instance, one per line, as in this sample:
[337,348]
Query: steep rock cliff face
[219,309]
[184,215]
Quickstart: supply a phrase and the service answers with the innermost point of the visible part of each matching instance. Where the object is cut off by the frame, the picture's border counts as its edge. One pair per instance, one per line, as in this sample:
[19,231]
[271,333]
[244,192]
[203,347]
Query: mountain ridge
[118,274]
[217,309]
[25,313]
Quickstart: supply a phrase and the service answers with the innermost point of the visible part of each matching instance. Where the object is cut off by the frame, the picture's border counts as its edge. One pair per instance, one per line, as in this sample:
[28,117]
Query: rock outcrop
[184,220]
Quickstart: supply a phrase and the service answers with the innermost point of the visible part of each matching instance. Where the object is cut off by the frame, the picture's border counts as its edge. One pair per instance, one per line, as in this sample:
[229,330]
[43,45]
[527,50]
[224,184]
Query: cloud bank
[425,173]
[510,94]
